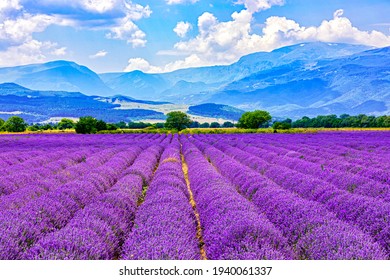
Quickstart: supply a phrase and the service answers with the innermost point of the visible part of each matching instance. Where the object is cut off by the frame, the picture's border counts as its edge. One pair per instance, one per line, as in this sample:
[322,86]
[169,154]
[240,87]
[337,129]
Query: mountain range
[305,79]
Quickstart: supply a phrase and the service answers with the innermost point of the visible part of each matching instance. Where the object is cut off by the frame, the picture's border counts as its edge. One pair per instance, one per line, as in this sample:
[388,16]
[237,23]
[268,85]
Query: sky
[166,35]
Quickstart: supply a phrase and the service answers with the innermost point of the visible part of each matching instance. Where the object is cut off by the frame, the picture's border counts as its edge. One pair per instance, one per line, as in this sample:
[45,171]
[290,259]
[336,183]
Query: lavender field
[190,197]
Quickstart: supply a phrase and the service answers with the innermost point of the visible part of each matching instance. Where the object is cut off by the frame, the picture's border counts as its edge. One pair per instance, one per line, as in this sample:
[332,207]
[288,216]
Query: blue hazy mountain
[136,84]
[358,83]
[184,91]
[194,85]
[56,76]
[142,85]
[38,106]
[256,62]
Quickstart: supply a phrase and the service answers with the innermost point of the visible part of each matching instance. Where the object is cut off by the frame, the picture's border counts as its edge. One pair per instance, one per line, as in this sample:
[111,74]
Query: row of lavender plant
[368,161]
[36,181]
[357,147]
[347,181]
[39,169]
[10,159]
[313,231]
[98,230]
[360,165]
[319,149]
[26,174]
[48,181]
[165,226]
[369,214]
[53,210]
[371,164]
[233,228]
[342,180]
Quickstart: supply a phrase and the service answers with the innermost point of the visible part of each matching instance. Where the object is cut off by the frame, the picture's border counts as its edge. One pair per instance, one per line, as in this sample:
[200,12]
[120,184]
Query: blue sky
[164,35]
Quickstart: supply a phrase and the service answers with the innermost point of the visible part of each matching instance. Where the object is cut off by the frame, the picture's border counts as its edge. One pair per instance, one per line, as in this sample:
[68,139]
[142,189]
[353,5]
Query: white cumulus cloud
[16,31]
[126,29]
[99,5]
[221,42]
[99,54]
[31,51]
[130,32]
[254,6]
[142,65]
[136,11]
[59,51]
[21,19]
[281,31]
[182,28]
[8,5]
[175,2]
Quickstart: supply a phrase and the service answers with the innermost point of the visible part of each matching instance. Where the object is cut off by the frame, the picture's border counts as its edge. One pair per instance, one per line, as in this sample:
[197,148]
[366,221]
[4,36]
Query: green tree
[121,124]
[254,119]
[194,124]
[86,125]
[66,124]
[32,128]
[15,124]
[304,122]
[228,124]
[215,125]
[158,125]
[204,125]
[177,120]
[2,122]
[47,126]
[111,126]
[101,125]
[344,116]
[281,125]
[138,125]
[386,121]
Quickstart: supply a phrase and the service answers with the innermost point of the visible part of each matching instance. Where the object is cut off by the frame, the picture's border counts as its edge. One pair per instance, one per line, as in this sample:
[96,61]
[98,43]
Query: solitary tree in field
[86,125]
[15,124]
[177,120]
[254,119]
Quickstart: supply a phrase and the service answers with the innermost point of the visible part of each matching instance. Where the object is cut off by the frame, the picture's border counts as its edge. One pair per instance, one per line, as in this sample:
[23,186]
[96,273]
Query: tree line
[344,120]
[178,121]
